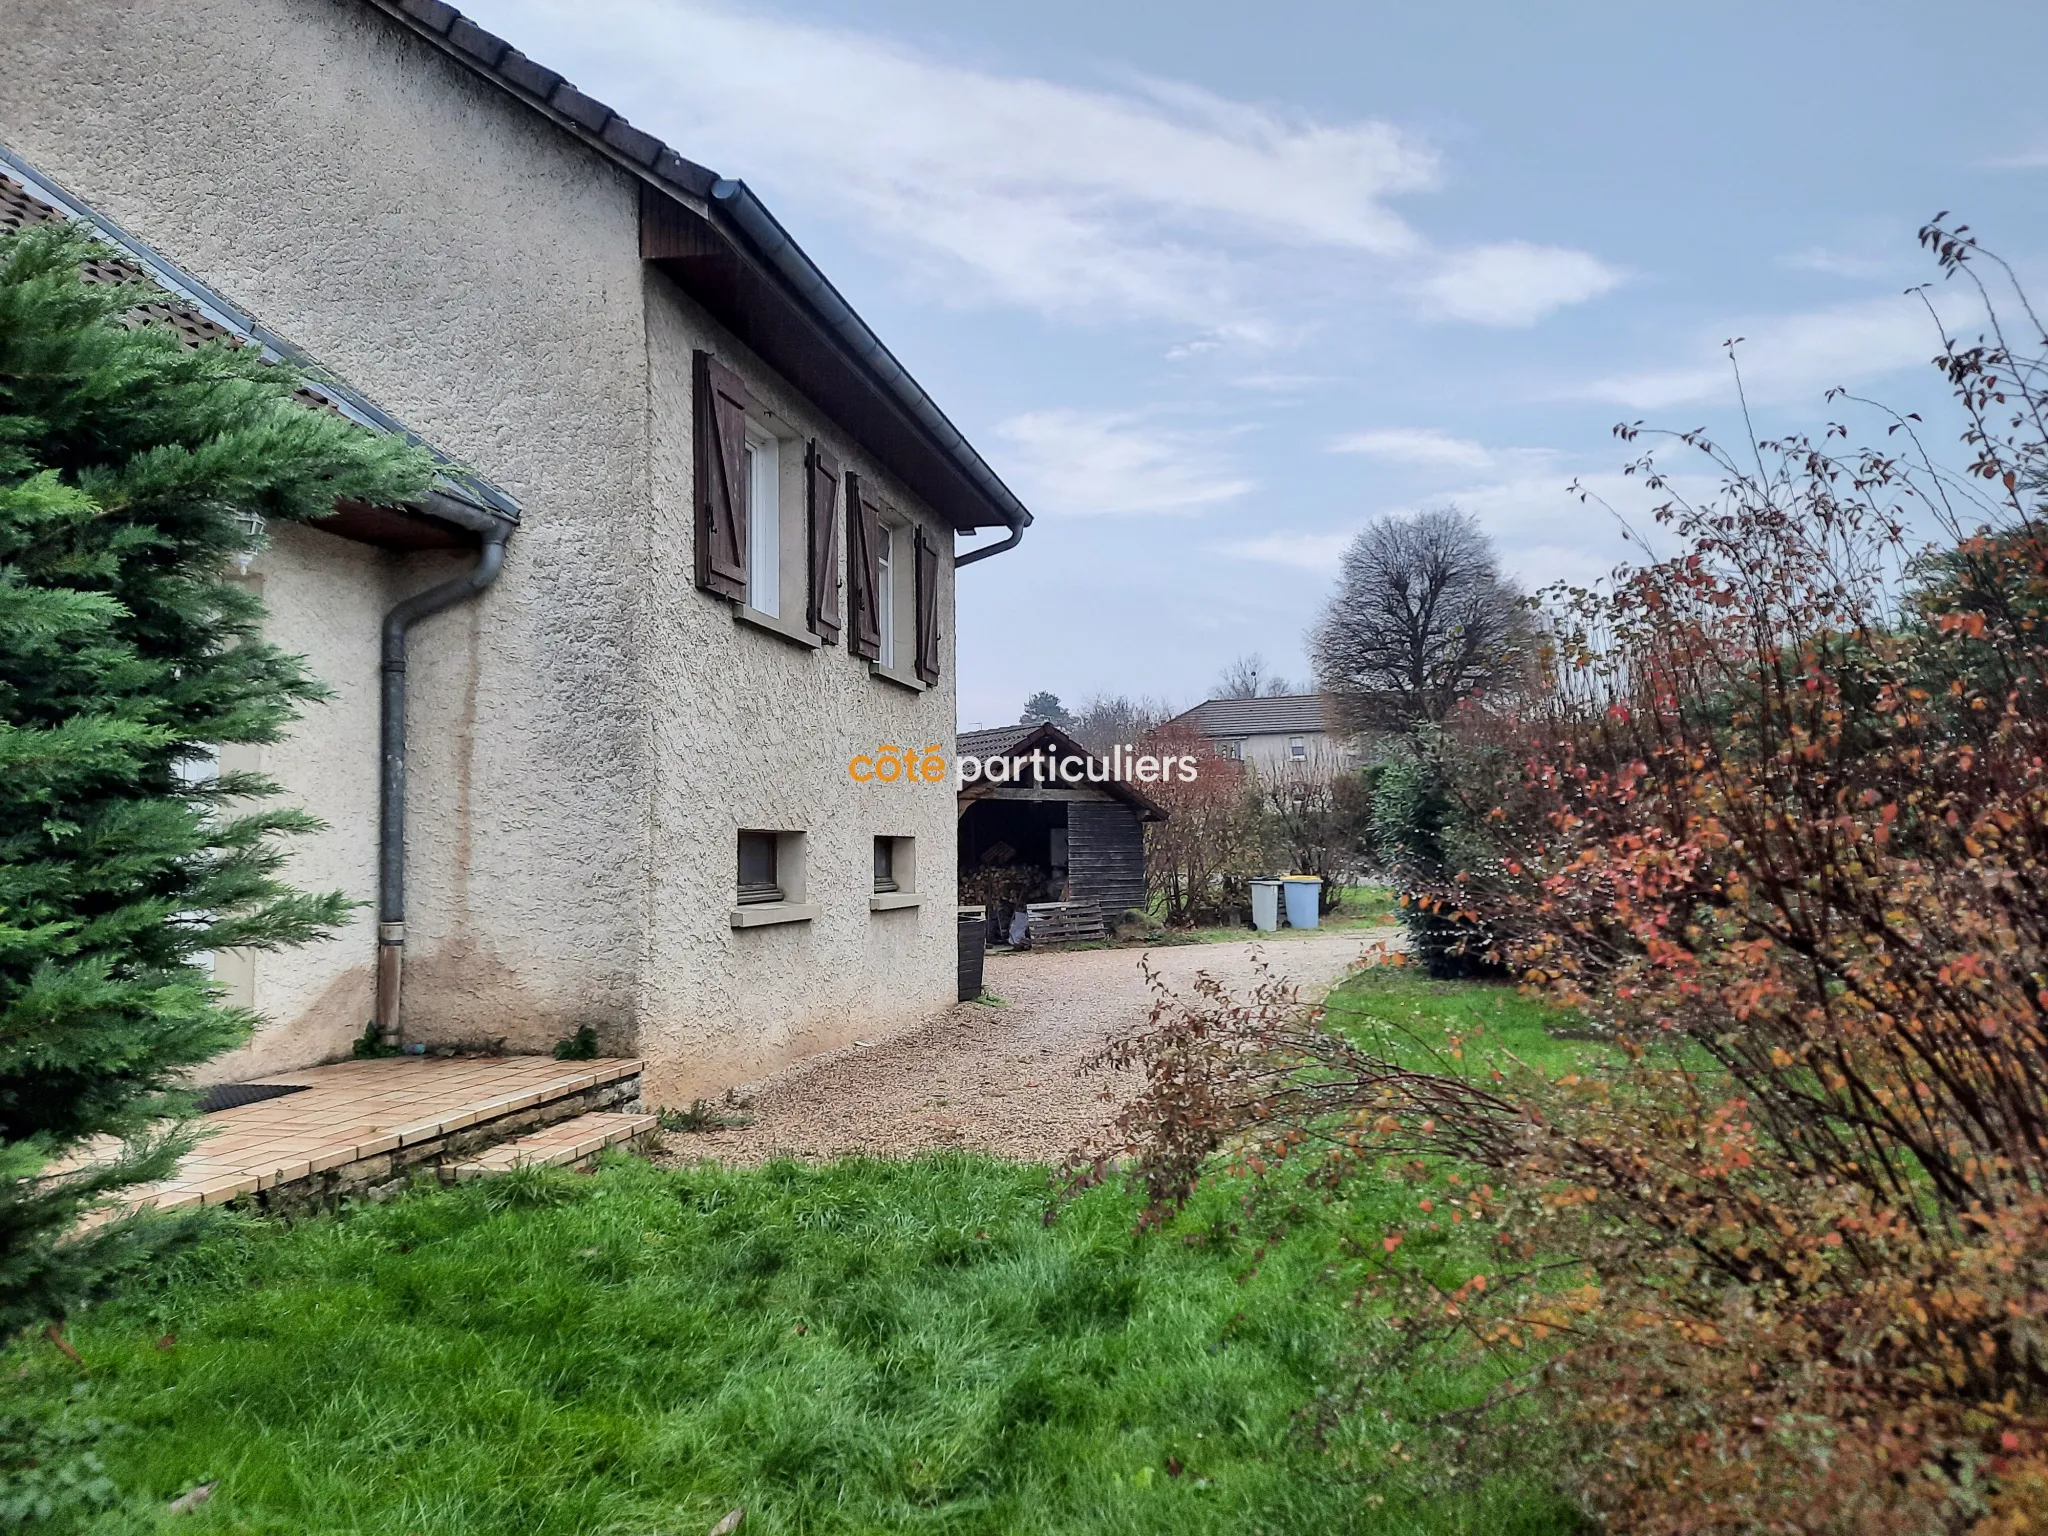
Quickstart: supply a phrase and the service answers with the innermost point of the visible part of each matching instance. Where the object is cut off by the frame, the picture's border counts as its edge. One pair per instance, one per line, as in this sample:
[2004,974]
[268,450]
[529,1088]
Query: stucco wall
[1269,752]
[588,737]
[326,597]
[754,731]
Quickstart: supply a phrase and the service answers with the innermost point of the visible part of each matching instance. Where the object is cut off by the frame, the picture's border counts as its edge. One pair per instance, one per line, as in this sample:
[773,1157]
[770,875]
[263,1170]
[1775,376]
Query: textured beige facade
[589,737]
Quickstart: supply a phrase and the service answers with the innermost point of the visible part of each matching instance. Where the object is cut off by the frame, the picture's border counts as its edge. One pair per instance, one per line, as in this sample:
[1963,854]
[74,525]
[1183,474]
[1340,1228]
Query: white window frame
[764,521]
[1297,748]
[885,593]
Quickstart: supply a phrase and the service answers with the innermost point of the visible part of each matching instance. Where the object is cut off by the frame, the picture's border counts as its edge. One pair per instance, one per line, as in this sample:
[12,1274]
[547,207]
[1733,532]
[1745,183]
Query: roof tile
[1288,714]
[434,14]
[582,110]
[670,166]
[535,79]
[994,739]
[631,142]
[486,47]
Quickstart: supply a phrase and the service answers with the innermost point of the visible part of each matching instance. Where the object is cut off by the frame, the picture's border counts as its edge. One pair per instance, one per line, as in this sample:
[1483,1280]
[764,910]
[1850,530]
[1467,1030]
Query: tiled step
[566,1141]
[361,1126]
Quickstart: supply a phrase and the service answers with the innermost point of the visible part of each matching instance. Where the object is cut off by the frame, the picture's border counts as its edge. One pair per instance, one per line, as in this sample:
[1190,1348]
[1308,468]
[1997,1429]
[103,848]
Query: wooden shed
[1055,827]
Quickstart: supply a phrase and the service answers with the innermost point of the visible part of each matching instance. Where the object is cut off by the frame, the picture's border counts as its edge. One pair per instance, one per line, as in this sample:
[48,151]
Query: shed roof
[994,741]
[1022,740]
[1292,714]
[720,241]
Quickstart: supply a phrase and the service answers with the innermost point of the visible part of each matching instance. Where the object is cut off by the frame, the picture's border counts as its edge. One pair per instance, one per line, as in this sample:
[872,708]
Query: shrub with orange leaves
[1779,828]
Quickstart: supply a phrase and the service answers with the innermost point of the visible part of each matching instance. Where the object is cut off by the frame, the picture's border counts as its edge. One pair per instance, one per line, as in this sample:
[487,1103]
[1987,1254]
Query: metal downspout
[1015,538]
[391,785]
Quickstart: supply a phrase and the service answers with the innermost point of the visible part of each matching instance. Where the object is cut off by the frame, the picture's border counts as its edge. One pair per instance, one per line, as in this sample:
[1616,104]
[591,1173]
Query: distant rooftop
[1291,714]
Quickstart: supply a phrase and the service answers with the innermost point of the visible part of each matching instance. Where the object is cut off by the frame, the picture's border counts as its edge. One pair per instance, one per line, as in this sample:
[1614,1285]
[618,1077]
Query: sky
[1211,286]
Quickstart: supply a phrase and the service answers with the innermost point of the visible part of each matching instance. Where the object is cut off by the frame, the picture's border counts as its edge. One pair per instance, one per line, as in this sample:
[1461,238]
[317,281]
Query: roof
[200,315]
[1291,714]
[994,741]
[1020,740]
[716,238]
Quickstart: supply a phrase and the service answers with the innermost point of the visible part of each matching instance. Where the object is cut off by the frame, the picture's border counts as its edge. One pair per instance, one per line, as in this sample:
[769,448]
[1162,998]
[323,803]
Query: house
[1057,824]
[586,762]
[1289,732]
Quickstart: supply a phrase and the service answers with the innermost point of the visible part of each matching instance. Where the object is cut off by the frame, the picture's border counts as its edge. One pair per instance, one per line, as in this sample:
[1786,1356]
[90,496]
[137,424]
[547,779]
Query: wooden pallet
[1063,922]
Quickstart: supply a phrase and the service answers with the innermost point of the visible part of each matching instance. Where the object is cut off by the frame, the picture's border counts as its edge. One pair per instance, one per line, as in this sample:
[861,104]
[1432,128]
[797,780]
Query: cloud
[1416,445]
[1796,356]
[1083,463]
[2033,158]
[1515,283]
[1833,263]
[1009,188]
[1318,552]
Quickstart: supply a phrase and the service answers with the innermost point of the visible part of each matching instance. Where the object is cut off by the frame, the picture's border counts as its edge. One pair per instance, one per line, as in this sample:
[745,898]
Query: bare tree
[1421,620]
[1106,719]
[1247,678]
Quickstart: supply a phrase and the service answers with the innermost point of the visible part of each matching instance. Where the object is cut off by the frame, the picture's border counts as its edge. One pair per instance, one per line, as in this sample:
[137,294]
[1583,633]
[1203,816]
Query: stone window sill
[893,901]
[908,680]
[782,629]
[768,913]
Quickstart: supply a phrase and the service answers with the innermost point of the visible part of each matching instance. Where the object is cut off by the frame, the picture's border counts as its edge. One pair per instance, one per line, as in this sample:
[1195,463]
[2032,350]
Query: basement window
[757,869]
[771,881]
[895,874]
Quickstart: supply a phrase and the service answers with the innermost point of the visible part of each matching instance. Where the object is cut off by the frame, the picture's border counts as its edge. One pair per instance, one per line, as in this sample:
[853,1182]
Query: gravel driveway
[1004,1080]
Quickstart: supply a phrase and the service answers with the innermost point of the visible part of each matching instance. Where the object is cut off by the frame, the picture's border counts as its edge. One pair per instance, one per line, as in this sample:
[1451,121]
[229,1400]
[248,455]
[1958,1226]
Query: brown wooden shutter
[927,608]
[824,508]
[721,433]
[863,538]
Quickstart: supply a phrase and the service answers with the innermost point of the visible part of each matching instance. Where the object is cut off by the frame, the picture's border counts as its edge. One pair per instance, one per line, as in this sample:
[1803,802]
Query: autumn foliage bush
[1778,828]
[1198,861]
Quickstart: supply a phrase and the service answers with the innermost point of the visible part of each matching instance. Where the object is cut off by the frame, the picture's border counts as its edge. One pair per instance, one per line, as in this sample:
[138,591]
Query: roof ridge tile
[586,112]
[516,69]
[437,14]
[487,48]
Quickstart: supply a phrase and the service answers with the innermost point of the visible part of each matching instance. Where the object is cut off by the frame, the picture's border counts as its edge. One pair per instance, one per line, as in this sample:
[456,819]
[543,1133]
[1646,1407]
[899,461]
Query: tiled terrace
[359,1122]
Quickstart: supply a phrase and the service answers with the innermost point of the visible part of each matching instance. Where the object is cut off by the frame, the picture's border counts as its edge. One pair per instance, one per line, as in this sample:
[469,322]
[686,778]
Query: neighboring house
[1289,732]
[1049,832]
[701,557]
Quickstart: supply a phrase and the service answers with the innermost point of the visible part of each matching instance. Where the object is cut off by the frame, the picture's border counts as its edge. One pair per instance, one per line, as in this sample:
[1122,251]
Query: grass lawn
[860,1347]
[1410,1017]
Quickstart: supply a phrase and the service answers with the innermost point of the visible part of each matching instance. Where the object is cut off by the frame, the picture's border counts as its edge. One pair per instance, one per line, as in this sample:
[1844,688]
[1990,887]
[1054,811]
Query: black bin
[973,948]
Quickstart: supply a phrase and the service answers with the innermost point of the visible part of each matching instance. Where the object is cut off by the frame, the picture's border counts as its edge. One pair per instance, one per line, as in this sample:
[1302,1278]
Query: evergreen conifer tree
[133,471]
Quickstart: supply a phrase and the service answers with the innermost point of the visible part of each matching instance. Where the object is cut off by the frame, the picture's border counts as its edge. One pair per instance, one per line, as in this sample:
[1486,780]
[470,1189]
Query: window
[895,875]
[757,868]
[764,522]
[1297,748]
[885,592]
[771,881]
[1234,750]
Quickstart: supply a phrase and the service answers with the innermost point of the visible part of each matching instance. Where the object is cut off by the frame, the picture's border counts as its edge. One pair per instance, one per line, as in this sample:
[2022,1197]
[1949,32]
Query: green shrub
[133,471]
